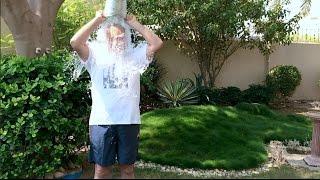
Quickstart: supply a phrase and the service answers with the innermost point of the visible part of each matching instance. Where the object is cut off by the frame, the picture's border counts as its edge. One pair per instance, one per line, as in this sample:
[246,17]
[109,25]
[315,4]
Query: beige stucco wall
[4,28]
[306,57]
[247,66]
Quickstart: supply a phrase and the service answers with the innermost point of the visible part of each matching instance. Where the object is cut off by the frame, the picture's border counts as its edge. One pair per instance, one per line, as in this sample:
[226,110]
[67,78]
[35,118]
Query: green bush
[257,93]
[229,96]
[7,44]
[150,78]
[220,96]
[283,79]
[149,99]
[205,93]
[41,115]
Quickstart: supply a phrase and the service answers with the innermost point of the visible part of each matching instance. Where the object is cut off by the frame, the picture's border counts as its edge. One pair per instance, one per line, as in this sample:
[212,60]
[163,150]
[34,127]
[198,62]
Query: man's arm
[78,41]
[154,42]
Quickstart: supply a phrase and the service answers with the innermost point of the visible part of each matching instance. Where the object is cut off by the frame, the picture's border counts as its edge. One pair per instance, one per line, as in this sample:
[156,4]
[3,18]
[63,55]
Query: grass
[210,137]
[287,172]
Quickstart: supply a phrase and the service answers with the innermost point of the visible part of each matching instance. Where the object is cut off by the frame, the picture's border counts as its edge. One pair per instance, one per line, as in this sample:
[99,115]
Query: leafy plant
[42,115]
[275,29]
[257,93]
[149,99]
[178,93]
[205,93]
[283,79]
[7,42]
[229,96]
[150,78]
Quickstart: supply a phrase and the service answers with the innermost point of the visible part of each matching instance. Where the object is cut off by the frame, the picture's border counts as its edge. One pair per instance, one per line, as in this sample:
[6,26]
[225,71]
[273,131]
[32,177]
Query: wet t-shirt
[115,84]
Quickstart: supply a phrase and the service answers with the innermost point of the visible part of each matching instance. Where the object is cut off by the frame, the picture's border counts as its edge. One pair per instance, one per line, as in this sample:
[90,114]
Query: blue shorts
[109,143]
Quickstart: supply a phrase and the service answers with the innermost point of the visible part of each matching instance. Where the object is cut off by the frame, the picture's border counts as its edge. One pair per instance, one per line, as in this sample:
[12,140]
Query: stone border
[203,173]
[276,157]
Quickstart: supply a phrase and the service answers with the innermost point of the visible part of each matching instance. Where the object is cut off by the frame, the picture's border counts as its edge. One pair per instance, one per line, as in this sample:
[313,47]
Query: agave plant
[178,93]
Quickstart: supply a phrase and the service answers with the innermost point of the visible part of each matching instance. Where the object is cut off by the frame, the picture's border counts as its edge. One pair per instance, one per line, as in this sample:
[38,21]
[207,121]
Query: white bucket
[116,8]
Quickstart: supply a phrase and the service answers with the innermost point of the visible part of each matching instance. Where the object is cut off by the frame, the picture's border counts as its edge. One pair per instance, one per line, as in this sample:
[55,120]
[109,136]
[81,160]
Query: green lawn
[216,137]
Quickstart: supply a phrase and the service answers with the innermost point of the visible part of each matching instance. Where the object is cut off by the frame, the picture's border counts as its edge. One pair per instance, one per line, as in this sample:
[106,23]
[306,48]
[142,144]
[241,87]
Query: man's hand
[131,19]
[154,42]
[100,17]
[78,41]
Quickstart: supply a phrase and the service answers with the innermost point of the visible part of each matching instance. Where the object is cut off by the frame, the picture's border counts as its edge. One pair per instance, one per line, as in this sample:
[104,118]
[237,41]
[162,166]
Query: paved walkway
[296,160]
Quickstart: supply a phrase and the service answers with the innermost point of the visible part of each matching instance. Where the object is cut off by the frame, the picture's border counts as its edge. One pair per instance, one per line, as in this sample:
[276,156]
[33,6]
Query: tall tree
[305,7]
[275,29]
[208,31]
[31,23]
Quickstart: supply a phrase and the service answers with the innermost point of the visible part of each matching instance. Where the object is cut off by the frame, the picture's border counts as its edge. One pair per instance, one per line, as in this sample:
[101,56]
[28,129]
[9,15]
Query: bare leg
[127,171]
[101,172]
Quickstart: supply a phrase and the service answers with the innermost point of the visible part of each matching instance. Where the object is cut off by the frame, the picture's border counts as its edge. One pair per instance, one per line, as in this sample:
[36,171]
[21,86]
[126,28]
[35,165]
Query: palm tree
[305,7]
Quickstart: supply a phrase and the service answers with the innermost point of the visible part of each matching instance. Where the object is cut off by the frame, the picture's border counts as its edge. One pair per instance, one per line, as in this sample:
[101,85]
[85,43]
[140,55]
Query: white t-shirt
[115,84]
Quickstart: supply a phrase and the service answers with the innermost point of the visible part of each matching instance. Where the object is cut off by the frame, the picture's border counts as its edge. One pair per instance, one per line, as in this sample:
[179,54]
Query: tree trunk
[204,73]
[266,64]
[31,23]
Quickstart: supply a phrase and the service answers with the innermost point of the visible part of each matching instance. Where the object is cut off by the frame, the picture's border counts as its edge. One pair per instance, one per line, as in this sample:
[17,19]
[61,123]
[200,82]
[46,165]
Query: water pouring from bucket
[113,36]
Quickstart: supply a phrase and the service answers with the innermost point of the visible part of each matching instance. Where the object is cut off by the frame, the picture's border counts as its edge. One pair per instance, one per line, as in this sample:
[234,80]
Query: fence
[307,35]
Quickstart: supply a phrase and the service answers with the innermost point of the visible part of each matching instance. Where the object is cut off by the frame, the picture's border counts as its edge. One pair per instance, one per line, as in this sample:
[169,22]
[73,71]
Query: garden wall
[247,66]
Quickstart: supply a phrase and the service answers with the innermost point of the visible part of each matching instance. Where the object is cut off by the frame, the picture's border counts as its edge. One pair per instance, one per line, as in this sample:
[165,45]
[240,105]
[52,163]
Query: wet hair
[118,22]
[108,33]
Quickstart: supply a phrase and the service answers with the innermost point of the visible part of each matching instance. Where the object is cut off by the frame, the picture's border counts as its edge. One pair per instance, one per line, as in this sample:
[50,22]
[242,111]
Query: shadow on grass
[214,137]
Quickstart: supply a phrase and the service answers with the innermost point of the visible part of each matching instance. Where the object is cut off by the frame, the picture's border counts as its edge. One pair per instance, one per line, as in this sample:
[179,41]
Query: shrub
[205,93]
[257,93]
[227,96]
[41,115]
[178,93]
[7,44]
[223,96]
[283,79]
[149,98]
[150,78]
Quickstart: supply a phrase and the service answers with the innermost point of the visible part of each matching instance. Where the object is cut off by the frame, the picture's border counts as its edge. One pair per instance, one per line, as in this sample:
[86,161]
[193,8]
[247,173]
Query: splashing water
[119,47]
[108,47]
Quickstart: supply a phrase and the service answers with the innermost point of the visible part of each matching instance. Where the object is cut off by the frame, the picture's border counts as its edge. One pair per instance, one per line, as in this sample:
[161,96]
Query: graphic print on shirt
[115,78]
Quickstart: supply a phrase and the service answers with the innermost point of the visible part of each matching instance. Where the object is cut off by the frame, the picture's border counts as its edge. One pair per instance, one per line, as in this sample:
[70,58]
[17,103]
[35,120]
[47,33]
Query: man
[115,88]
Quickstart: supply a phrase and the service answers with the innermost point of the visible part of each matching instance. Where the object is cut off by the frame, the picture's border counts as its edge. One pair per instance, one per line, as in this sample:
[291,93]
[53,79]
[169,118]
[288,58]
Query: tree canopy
[210,31]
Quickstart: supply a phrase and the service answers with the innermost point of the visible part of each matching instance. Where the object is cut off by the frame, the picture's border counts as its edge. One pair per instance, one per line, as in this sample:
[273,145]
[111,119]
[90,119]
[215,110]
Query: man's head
[116,38]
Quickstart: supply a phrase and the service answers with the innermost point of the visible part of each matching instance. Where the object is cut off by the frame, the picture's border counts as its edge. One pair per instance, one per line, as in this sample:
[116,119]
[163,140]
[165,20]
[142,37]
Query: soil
[298,106]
